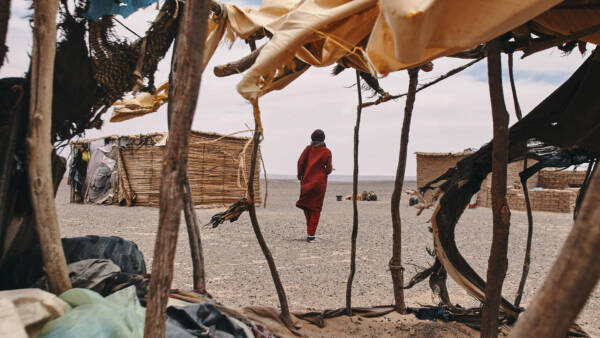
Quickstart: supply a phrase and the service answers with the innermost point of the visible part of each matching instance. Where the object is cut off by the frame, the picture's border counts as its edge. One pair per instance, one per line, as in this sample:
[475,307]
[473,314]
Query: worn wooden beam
[572,278]
[193,230]
[354,201]
[497,262]
[395,263]
[4,16]
[452,72]
[186,74]
[285,310]
[527,258]
[238,66]
[39,149]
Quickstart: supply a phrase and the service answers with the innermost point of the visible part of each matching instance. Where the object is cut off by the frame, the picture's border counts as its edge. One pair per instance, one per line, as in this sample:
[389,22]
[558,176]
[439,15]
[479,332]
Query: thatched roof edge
[198,133]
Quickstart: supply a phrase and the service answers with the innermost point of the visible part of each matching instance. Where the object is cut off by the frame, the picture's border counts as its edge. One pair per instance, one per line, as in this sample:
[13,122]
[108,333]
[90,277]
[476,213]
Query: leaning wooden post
[4,16]
[39,148]
[395,264]
[193,230]
[572,278]
[497,262]
[285,310]
[354,202]
[186,71]
[527,258]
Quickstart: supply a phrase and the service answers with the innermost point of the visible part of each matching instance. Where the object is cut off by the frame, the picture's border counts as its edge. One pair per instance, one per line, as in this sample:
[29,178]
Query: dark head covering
[318,135]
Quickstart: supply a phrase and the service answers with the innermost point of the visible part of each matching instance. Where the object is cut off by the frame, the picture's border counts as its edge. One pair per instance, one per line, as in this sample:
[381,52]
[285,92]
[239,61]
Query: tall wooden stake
[193,230]
[186,71]
[354,202]
[572,278]
[395,264]
[4,16]
[497,262]
[527,259]
[285,311]
[38,144]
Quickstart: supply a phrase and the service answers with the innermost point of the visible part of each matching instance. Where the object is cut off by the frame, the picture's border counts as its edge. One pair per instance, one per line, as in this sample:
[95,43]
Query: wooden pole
[395,264]
[285,311]
[4,16]
[193,230]
[39,148]
[497,262]
[354,201]
[527,259]
[186,73]
[572,278]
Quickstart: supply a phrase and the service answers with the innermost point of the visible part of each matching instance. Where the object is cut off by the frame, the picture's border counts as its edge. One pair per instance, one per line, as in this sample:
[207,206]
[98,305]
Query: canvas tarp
[374,36]
[400,33]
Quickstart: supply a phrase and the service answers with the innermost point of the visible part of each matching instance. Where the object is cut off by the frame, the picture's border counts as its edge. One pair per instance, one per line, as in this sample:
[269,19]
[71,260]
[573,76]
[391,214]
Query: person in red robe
[313,167]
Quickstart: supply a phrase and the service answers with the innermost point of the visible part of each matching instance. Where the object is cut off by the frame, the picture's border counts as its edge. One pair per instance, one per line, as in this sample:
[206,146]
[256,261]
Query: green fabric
[118,315]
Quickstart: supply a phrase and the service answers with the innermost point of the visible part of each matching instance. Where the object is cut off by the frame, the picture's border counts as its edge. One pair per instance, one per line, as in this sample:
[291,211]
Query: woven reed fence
[218,168]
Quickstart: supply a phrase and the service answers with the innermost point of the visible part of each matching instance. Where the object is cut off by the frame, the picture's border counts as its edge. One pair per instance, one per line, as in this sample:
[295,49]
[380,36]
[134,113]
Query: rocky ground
[314,275]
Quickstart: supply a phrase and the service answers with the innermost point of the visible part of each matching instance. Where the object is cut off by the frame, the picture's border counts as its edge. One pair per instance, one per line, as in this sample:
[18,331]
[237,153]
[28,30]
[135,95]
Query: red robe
[313,167]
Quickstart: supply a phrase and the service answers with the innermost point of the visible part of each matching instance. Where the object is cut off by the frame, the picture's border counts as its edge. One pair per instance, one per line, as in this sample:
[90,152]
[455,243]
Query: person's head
[318,135]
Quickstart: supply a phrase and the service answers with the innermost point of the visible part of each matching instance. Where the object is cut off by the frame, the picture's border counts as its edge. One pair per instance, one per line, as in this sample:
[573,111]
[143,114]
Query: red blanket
[313,167]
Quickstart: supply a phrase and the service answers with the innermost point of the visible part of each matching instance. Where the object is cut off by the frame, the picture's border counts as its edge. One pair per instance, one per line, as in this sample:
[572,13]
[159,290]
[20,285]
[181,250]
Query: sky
[450,116]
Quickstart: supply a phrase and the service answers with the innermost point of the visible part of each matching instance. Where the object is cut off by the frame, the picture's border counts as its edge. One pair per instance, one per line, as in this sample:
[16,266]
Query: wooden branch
[4,16]
[193,230]
[39,148]
[395,263]
[186,73]
[572,278]
[513,87]
[498,262]
[544,43]
[592,167]
[423,86]
[238,66]
[354,202]
[285,311]
[7,165]
[527,259]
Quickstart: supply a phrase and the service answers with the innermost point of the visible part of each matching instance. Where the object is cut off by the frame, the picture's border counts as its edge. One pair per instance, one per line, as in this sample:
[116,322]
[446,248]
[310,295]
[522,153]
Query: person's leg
[307,214]
[313,222]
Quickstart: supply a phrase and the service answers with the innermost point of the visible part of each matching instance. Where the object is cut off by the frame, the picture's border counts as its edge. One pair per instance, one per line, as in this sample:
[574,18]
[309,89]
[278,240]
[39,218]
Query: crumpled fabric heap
[118,315]
[23,312]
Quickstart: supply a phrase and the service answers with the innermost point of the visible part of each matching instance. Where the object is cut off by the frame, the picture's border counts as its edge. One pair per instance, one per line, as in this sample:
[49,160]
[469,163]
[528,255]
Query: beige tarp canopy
[373,36]
[378,36]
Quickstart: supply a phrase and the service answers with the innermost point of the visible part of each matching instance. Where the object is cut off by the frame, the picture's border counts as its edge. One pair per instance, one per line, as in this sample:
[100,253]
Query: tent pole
[193,230]
[4,16]
[527,259]
[285,312]
[354,202]
[186,72]
[497,262]
[39,147]
[395,263]
[572,277]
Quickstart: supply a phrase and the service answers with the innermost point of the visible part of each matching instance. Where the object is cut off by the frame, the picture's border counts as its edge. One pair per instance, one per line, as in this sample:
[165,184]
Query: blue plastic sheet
[123,8]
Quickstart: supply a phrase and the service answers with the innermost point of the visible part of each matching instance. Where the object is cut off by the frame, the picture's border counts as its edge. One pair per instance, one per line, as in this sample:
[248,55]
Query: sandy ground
[314,275]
